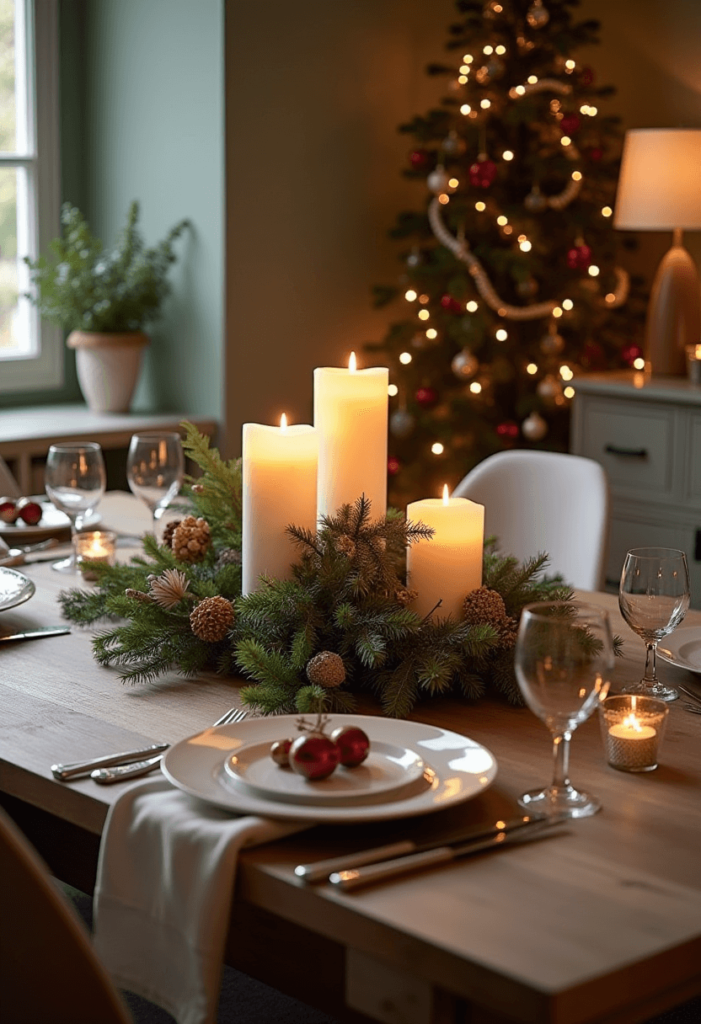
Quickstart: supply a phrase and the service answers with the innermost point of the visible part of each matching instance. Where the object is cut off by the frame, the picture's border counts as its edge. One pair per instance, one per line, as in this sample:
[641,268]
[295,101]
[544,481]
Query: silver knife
[78,768]
[34,634]
[321,870]
[354,879]
[105,776]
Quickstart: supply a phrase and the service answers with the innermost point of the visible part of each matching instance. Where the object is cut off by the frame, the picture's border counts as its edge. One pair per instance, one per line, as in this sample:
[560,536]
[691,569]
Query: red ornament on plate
[579,257]
[508,430]
[419,159]
[353,745]
[8,510]
[482,173]
[426,397]
[314,756]
[570,123]
[629,353]
[450,304]
[393,465]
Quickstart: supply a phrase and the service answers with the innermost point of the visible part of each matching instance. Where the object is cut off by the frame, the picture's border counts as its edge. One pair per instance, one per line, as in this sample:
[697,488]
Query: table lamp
[659,189]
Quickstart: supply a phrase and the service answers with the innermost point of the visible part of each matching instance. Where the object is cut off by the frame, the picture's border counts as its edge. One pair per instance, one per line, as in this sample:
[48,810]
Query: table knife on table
[36,634]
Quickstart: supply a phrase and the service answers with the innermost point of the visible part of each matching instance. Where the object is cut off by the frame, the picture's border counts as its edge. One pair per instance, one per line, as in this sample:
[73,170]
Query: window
[31,353]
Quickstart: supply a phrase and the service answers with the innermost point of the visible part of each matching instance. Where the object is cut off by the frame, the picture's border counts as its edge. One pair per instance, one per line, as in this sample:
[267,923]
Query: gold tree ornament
[169,588]
[326,669]
[191,539]
[212,618]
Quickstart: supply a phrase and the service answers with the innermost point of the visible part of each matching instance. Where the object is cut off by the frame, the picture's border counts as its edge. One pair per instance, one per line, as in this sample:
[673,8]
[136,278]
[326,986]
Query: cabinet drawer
[626,533]
[635,446]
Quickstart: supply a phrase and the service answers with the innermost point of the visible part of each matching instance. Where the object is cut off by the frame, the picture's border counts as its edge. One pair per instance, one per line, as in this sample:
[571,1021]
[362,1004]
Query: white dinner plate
[459,768]
[682,648]
[52,522]
[390,772]
[15,588]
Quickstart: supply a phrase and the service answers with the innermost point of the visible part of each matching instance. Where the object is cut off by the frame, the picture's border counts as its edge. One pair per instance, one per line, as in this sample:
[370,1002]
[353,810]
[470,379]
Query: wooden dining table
[600,922]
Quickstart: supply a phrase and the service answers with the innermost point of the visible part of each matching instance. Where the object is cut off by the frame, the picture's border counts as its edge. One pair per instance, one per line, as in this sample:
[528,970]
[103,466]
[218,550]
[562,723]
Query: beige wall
[315,92]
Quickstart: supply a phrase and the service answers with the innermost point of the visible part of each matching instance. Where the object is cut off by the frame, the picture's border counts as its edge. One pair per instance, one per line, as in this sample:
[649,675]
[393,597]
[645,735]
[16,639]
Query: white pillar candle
[447,567]
[350,413]
[279,490]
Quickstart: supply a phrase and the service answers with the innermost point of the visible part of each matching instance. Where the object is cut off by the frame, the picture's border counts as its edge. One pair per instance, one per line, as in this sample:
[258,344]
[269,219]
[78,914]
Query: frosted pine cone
[212,618]
[168,531]
[485,607]
[169,588]
[326,669]
[229,556]
[191,539]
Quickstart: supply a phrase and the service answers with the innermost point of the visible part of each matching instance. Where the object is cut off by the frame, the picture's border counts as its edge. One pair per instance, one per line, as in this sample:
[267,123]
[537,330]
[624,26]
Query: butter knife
[373,873]
[34,634]
[78,768]
[120,772]
[321,870]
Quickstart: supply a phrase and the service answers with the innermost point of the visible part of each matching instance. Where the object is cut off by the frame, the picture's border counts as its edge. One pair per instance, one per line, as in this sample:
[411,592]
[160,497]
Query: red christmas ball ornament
[593,355]
[426,397]
[419,159]
[586,76]
[393,465]
[29,511]
[595,153]
[353,745]
[579,257]
[629,353]
[508,430]
[482,172]
[450,304]
[570,123]
[314,756]
[8,510]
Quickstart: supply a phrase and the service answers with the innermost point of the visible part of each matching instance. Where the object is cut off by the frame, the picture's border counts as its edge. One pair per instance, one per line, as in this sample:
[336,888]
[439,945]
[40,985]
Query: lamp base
[674,313]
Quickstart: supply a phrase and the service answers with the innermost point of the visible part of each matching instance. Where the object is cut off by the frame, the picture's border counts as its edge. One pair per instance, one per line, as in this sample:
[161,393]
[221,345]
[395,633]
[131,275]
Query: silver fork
[106,776]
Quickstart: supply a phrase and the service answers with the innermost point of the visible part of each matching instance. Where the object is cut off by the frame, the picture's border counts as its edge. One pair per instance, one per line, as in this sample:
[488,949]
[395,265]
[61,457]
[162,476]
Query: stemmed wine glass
[155,470]
[653,598]
[564,656]
[74,478]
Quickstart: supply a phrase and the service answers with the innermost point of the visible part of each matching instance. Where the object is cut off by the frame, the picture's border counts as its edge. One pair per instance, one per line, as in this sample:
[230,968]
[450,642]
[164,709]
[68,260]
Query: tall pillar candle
[279,489]
[350,413]
[447,567]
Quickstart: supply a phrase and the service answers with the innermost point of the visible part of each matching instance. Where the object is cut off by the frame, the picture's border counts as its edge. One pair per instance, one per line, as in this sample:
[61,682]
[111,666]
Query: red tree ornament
[570,123]
[579,257]
[419,159]
[482,172]
[426,397]
[595,153]
[450,304]
[631,352]
[393,465]
[586,76]
[508,430]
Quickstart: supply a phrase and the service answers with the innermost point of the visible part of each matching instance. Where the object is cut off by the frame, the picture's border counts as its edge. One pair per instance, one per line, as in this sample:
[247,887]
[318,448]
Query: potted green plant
[105,299]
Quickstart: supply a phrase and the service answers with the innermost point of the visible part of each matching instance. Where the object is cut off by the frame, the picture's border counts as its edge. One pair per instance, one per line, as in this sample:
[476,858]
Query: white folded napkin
[163,895]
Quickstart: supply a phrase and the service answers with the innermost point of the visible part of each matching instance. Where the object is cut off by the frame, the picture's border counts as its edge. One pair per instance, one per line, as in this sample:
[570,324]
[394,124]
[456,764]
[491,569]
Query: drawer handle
[634,453]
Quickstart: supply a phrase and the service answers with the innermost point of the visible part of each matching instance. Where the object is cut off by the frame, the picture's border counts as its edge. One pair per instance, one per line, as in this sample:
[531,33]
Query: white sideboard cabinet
[646,433]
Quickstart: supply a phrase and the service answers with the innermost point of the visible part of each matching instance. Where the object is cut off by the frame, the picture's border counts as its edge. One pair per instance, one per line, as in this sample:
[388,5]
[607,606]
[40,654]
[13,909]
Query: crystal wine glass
[74,478]
[155,470]
[564,656]
[653,598]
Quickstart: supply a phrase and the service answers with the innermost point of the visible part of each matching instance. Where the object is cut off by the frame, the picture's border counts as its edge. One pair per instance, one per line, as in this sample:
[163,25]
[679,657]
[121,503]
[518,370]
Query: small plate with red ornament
[456,769]
[52,523]
[389,772]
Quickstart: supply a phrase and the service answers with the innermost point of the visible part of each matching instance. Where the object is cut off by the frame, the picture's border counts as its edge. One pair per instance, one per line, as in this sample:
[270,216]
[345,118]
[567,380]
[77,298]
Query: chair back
[48,969]
[9,487]
[545,502]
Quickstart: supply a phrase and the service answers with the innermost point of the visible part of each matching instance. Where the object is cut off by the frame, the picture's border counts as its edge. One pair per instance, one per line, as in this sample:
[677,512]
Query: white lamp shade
[659,188]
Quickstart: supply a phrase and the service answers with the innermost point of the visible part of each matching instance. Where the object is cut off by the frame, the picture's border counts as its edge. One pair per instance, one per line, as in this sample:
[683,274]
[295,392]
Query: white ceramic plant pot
[108,367]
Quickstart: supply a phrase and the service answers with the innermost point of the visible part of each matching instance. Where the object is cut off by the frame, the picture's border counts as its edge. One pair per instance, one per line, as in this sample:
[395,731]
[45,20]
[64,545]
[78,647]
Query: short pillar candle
[279,490]
[447,567]
[632,726]
[351,414]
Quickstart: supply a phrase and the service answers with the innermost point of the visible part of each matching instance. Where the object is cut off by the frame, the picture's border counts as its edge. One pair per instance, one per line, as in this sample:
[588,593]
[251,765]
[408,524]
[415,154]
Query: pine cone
[212,618]
[168,531]
[485,607]
[345,545]
[191,539]
[326,669]
[229,556]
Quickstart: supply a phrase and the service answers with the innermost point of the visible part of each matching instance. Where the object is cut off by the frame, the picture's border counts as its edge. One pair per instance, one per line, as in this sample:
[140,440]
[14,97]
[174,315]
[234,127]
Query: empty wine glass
[653,598]
[74,478]
[155,470]
[564,656]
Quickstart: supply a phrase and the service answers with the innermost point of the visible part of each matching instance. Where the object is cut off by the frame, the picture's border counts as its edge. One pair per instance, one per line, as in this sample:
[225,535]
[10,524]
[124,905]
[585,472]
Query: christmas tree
[511,282]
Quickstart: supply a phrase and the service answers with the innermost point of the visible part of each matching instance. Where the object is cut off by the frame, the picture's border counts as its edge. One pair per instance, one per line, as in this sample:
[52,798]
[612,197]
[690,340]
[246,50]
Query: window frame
[44,368]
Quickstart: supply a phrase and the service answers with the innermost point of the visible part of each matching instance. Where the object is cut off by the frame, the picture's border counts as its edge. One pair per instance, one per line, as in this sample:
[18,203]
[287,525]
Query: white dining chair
[8,485]
[545,502]
[48,969]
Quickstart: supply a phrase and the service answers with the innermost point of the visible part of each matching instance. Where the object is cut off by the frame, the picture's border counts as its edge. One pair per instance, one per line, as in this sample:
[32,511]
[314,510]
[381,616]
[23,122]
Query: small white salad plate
[412,769]
[15,588]
[682,648]
[52,522]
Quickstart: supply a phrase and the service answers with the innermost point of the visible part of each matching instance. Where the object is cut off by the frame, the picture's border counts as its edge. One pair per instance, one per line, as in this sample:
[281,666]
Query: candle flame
[352,363]
[283,423]
[446,495]
[631,722]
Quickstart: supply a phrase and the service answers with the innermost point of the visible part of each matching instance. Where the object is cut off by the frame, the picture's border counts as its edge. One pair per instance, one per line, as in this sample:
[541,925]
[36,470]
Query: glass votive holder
[632,727]
[94,546]
[693,364]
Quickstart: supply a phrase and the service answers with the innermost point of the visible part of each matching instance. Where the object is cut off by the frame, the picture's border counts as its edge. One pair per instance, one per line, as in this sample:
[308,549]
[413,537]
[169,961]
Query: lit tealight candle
[447,567]
[350,413]
[632,730]
[94,546]
[279,489]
